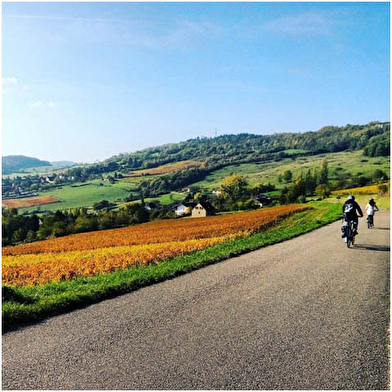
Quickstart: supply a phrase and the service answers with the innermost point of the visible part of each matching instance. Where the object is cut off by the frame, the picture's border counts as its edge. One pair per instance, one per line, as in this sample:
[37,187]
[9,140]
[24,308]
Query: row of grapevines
[160,231]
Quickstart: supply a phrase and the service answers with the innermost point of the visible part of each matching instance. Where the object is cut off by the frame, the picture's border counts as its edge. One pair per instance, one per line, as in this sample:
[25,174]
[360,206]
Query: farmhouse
[202,209]
[179,209]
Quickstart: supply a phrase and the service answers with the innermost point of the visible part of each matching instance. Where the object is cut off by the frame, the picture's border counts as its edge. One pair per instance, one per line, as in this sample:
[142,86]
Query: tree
[44,232]
[283,196]
[302,199]
[101,204]
[85,223]
[234,187]
[287,175]
[323,179]
[31,235]
[382,189]
[323,191]
[379,175]
[19,235]
[310,181]
[257,189]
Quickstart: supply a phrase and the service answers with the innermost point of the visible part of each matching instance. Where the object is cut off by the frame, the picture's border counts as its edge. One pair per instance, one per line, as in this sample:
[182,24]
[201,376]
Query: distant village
[27,186]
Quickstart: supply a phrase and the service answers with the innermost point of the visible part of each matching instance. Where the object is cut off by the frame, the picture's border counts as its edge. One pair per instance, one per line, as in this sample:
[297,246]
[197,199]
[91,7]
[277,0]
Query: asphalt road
[305,314]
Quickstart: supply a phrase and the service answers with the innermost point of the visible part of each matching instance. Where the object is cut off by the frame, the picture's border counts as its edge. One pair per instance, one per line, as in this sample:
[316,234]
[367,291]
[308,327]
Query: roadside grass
[383,202]
[33,303]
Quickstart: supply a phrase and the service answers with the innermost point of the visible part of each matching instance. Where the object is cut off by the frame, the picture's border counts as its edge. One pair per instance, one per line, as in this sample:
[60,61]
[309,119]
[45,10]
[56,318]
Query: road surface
[305,314]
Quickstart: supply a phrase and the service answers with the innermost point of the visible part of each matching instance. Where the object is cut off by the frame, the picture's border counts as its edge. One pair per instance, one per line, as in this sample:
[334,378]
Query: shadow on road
[382,248]
[382,228]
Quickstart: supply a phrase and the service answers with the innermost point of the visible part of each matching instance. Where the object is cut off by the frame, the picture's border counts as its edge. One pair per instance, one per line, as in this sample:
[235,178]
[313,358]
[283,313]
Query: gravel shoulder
[304,314]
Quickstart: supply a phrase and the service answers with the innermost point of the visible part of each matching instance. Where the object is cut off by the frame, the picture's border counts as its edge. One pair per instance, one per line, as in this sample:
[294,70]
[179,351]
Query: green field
[169,198]
[39,170]
[352,162]
[85,195]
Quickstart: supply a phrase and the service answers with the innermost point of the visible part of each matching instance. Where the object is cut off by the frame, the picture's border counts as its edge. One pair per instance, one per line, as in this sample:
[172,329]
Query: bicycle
[350,234]
[349,231]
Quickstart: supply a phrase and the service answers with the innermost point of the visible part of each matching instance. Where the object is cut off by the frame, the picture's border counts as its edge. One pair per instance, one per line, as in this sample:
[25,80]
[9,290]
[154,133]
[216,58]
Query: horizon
[123,77]
[181,141]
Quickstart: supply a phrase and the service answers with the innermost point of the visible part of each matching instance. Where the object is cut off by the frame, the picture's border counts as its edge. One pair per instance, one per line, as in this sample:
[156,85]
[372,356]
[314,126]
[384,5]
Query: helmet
[351,197]
[371,199]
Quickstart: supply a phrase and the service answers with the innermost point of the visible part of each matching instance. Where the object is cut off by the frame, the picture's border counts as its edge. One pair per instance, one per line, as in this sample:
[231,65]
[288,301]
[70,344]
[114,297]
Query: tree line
[236,195]
[317,181]
[27,228]
[229,149]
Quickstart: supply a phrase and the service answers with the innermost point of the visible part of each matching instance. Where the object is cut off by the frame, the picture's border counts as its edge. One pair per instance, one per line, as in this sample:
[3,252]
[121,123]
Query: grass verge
[33,303]
[383,202]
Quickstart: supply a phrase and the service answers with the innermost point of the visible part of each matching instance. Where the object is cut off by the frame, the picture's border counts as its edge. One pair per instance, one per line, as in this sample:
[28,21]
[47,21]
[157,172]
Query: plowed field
[29,202]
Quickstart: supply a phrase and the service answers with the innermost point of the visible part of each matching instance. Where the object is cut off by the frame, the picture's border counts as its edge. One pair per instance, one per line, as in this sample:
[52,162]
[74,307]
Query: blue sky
[85,81]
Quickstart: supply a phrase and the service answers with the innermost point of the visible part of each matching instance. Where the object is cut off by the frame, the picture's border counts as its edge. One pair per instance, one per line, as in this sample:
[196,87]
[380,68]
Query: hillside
[355,154]
[246,148]
[250,147]
[62,163]
[13,163]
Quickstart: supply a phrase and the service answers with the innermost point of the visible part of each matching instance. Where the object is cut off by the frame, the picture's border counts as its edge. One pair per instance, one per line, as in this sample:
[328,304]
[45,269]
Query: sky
[86,81]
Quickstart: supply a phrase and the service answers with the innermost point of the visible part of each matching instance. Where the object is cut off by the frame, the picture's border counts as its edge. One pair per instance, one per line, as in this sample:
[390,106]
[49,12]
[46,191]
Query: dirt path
[305,314]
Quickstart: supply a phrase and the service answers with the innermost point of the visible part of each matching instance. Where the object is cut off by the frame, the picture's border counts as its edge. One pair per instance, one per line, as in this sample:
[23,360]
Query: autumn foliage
[364,190]
[166,168]
[88,254]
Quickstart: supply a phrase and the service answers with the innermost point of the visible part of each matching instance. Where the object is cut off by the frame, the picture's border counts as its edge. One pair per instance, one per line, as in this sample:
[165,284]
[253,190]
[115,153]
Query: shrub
[302,199]
[382,189]
[323,191]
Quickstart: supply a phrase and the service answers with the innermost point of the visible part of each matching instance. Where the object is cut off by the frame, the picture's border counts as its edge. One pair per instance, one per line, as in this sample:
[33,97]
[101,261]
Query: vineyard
[364,190]
[165,169]
[93,253]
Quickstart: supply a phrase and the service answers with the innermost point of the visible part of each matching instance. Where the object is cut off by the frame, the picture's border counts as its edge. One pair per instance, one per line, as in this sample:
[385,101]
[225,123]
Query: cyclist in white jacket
[371,208]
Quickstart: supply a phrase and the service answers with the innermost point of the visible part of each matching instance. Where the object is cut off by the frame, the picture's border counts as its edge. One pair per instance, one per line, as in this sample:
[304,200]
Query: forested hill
[13,163]
[373,138]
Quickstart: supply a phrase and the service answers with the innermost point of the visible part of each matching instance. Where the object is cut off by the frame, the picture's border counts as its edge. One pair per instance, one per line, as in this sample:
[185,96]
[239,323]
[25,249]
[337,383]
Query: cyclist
[350,208]
[371,208]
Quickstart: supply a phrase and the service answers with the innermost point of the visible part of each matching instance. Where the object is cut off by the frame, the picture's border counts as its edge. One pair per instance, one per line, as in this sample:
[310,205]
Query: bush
[323,191]
[382,189]
[100,205]
[302,199]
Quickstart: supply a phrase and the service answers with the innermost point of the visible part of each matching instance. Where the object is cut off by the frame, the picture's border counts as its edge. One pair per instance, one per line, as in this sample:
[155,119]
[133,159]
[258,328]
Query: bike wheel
[349,239]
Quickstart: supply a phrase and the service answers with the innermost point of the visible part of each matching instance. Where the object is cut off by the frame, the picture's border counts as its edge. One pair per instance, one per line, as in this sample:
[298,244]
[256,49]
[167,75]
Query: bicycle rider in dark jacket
[349,209]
